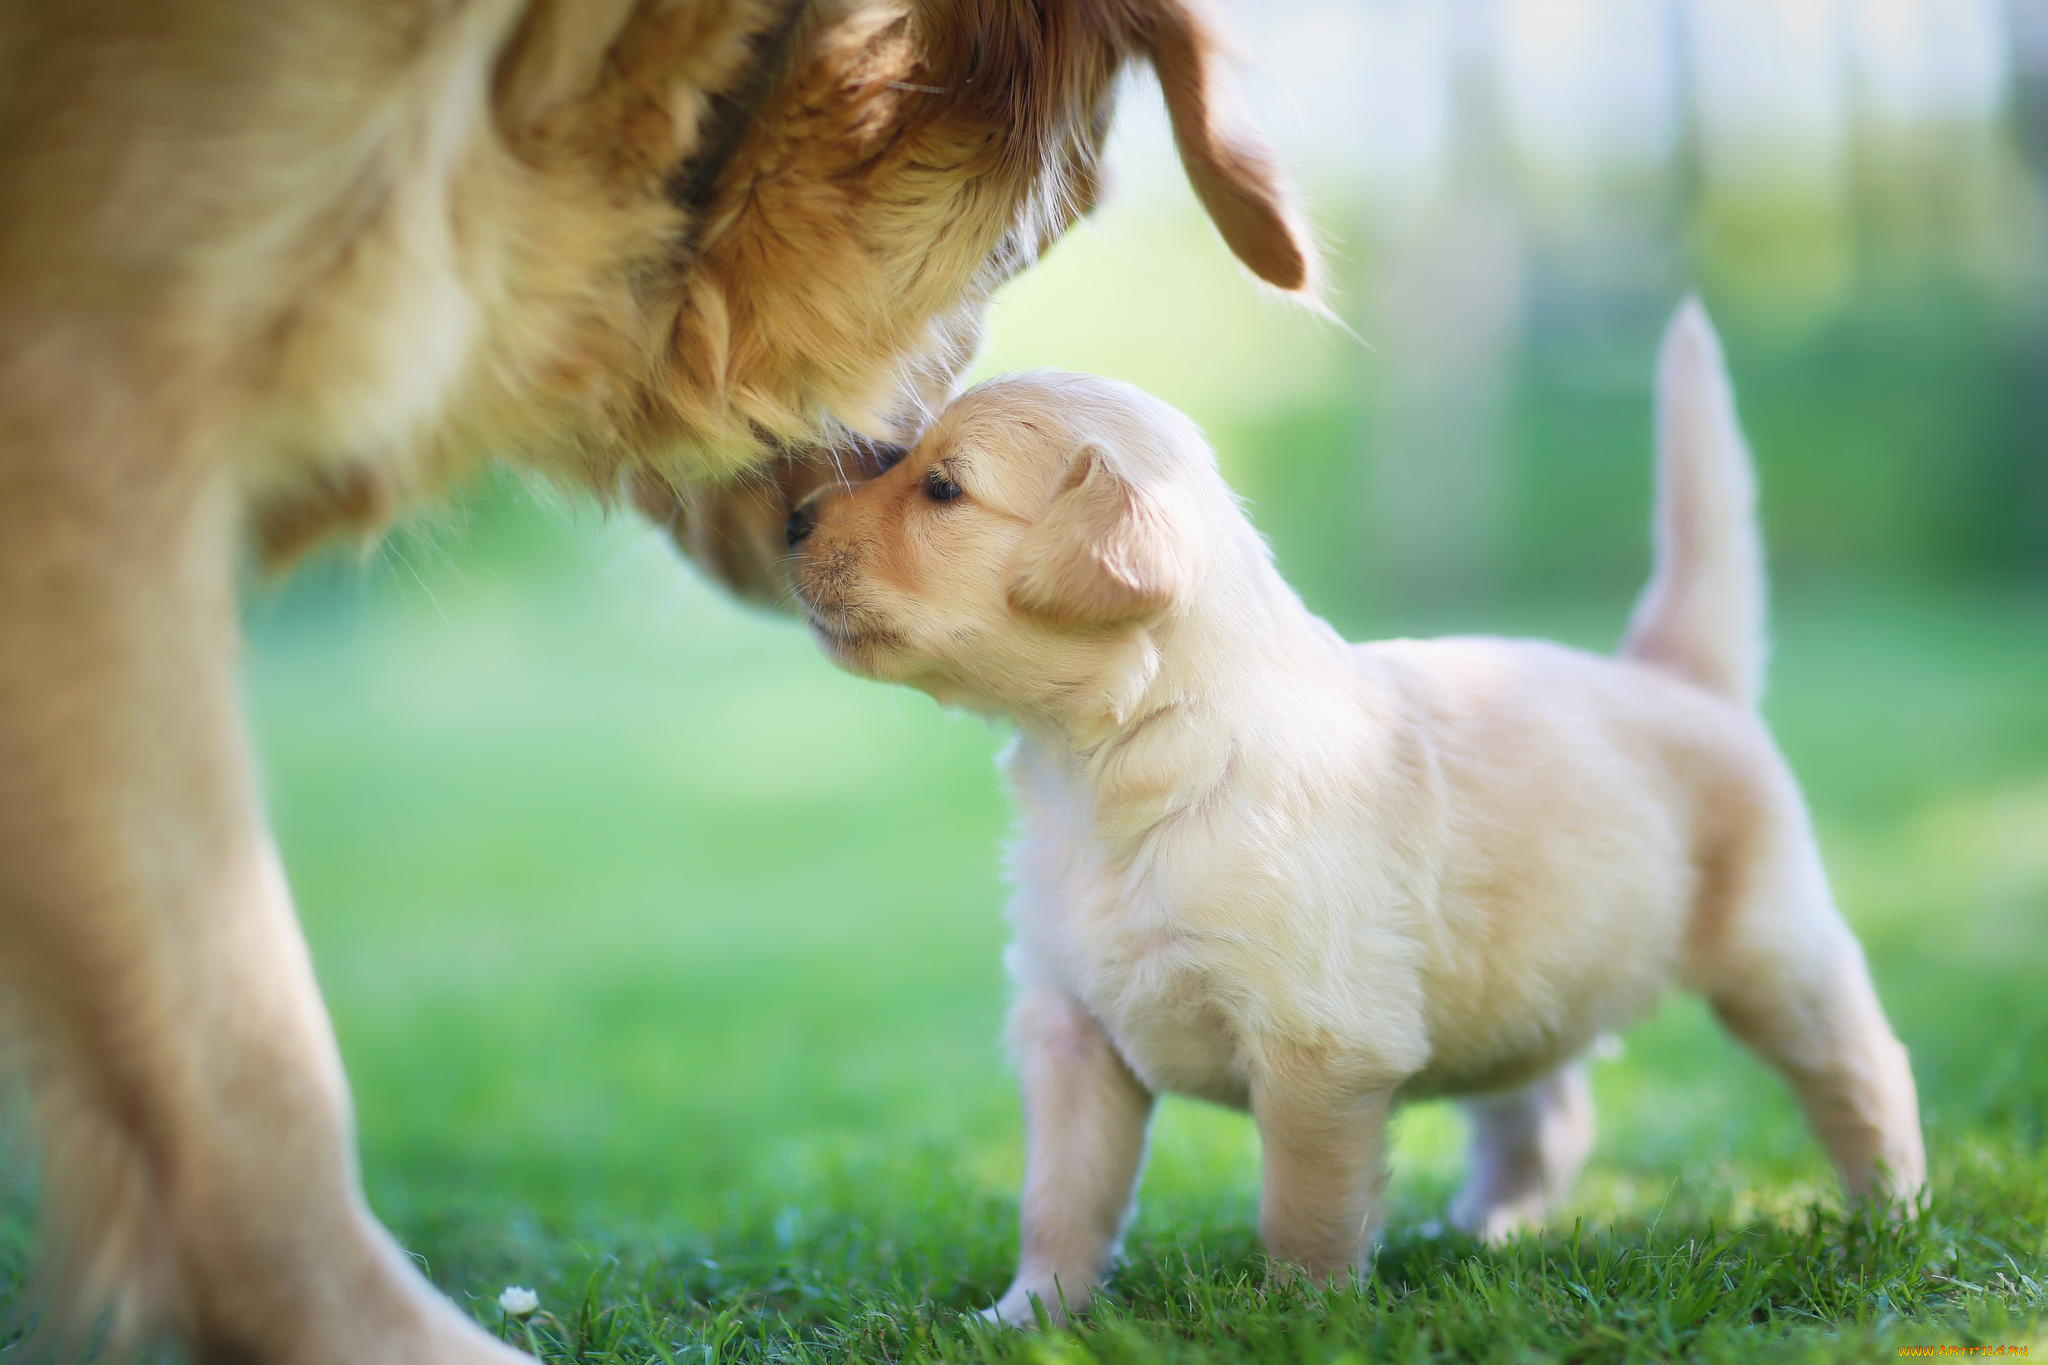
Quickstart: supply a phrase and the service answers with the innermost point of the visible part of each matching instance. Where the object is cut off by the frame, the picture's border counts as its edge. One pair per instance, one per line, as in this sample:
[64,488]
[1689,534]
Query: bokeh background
[659,949]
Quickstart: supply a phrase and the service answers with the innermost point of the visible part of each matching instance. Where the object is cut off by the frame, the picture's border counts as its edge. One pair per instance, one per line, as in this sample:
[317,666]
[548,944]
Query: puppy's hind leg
[1527,1149]
[1787,977]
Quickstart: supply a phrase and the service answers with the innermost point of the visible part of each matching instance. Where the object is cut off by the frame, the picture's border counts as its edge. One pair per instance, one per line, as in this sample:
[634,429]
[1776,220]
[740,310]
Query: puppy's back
[1580,803]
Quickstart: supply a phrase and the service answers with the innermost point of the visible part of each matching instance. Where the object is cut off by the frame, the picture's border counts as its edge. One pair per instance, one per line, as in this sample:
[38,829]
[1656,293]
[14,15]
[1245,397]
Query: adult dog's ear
[1105,553]
[1232,170]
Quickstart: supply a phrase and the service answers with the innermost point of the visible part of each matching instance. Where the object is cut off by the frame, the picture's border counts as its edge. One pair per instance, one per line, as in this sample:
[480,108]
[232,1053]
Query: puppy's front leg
[1322,1134]
[1086,1116]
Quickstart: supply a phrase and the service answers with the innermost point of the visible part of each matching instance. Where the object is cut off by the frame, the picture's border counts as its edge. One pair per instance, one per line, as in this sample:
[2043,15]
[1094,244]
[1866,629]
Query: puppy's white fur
[1271,869]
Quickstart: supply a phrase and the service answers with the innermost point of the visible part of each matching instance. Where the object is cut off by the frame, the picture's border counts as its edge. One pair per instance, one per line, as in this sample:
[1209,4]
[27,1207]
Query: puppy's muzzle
[855,464]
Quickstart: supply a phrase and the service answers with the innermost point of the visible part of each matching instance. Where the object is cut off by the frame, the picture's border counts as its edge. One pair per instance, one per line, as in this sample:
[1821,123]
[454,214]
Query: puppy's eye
[939,488]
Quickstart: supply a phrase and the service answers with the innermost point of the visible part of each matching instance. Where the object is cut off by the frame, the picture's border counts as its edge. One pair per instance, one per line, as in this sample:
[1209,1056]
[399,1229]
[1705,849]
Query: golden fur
[1271,869]
[271,273]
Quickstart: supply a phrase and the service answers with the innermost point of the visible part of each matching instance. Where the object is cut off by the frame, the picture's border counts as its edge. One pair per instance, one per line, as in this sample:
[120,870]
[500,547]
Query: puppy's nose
[799,526]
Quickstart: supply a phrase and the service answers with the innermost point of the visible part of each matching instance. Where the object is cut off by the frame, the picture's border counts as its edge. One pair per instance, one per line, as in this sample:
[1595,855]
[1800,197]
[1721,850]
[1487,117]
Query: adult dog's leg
[1086,1115]
[1322,1137]
[194,1118]
[1528,1146]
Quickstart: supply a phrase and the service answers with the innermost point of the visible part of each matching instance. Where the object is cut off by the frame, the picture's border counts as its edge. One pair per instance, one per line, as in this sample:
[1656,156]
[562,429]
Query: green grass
[666,965]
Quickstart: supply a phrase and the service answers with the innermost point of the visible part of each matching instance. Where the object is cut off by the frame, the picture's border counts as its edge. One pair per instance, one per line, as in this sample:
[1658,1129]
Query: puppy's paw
[1494,1221]
[1026,1308]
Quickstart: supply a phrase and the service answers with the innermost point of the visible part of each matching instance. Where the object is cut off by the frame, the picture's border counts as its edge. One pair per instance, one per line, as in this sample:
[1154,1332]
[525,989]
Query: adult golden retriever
[272,271]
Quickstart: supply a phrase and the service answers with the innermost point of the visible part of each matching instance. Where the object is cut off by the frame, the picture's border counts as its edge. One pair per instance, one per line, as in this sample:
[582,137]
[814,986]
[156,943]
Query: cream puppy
[1271,869]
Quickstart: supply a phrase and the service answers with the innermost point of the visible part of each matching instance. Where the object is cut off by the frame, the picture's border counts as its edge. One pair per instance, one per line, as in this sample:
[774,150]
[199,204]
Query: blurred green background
[651,937]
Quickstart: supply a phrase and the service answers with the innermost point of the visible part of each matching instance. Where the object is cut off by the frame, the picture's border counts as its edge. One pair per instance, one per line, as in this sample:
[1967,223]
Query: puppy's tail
[1702,615]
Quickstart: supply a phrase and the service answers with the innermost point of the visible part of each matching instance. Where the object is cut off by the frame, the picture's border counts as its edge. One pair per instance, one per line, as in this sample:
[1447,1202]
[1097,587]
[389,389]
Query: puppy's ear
[1105,553]
[1229,165]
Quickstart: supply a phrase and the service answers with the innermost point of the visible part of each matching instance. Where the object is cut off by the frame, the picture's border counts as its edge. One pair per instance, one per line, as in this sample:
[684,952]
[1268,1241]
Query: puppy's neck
[1189,702]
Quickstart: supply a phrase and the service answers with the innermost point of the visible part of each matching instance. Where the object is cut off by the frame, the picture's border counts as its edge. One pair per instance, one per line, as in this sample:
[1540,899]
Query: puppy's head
[1013,557]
